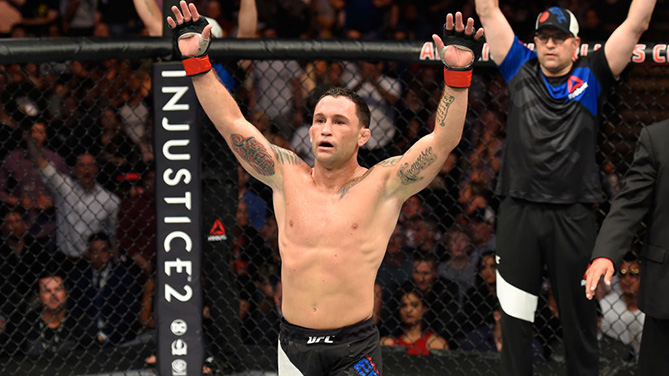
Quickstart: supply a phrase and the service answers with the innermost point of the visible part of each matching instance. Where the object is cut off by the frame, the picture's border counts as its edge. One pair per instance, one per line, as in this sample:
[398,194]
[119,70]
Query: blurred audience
[53,330]
[21,186]
[107,292]
[411,334]
[621,317]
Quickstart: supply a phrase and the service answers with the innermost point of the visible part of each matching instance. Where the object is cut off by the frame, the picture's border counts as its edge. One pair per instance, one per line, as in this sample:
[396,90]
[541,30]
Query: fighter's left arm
[459,49]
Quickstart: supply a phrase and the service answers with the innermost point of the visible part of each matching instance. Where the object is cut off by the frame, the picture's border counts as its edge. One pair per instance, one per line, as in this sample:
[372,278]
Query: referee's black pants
[529,236]
[654,353]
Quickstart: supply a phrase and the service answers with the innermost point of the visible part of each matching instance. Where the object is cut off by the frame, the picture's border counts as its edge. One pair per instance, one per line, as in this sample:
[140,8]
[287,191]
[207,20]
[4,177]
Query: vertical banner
[178,299]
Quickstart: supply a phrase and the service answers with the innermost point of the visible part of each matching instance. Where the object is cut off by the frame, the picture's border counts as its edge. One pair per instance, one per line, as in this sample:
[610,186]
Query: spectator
[397,265]
[443,191]
[549,178]
[22,260]
[267,315]
[412,336]
[458,266]
[136,231]
[116,152]
[621,317]
[278,93]
[413,207]
[368,19]
[38,16]
[264,124]
[82,206]
[73,130]
[481,231]
[106,292]
[593,27]
[78,17]
[425,233]
[440,296]
[270,234]
[135,113]
[9,17]
[481,300]
[381,92]
[248,244]
[30,192]
[247,261]
[53,330]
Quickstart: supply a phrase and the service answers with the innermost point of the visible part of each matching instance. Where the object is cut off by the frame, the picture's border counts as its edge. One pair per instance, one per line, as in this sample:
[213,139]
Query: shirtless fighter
[336,218]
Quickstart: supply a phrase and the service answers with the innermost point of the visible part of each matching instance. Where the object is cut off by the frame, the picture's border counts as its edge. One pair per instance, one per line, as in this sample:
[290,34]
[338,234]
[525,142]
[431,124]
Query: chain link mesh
[88,250]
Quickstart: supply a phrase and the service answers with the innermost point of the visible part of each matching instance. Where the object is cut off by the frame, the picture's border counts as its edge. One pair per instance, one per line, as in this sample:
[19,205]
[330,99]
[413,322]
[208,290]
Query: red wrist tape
[197,65]
[459,79]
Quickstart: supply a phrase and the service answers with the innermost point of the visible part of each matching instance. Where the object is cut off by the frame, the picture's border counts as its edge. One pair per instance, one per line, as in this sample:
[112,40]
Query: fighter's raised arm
[619,46]
[498,31]
[260,158]
[459,50]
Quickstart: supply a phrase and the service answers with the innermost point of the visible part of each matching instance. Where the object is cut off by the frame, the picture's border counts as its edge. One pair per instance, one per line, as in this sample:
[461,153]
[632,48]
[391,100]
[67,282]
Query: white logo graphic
[179,327]
[179,367]
[326,339]
[179,347]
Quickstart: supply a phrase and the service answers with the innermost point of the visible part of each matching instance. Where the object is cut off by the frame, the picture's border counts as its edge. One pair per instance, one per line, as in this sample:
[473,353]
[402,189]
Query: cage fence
[79,236]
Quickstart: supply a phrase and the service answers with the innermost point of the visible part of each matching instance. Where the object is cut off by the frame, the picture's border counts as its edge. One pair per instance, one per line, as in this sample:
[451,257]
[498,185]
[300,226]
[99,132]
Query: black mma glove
[460,77]
[199,64]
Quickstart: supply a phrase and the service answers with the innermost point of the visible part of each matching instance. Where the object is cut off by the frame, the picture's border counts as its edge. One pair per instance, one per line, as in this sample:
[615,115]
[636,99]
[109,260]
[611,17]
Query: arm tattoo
[284,156]
[254,153]
[148,7]
[390,162]
[411,174]
[442,111]
[343,190]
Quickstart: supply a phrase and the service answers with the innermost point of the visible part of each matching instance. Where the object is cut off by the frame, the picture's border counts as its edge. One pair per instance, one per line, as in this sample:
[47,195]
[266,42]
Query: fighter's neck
[332,179]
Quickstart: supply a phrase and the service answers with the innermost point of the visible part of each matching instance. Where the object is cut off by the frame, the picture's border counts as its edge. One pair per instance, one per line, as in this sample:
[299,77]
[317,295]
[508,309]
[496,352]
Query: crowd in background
[78,229]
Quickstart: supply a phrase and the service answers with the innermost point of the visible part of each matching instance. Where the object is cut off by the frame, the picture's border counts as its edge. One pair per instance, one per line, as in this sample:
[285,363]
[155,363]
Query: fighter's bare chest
[317,215]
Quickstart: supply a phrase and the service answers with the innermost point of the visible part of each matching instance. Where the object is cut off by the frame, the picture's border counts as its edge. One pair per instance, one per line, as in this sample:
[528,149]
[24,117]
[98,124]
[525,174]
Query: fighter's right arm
[498,32]
[256,154]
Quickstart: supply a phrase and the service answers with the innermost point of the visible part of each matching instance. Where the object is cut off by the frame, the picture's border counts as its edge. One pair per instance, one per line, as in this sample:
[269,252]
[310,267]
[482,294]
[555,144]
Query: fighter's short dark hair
[361,107]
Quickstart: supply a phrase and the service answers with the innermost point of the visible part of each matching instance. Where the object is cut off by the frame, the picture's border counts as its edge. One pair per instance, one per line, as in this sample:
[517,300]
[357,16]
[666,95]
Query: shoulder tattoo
[346,187]
[390,162]
[411,174]
[284,156]
[442,110]
[254,153]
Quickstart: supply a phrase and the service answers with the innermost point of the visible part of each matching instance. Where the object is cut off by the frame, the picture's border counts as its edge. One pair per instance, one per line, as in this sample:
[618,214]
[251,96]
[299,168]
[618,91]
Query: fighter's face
[336,132]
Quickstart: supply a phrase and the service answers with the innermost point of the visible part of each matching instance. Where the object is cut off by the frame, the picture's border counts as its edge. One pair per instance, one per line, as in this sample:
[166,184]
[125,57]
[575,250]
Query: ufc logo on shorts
[314,340]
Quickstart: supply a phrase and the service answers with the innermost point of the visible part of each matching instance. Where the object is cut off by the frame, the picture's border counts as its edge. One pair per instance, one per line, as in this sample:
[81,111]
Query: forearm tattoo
[284,156]
[148,7]
[390,162]
[442,110]
[411,174]
[343,190]
[254,153]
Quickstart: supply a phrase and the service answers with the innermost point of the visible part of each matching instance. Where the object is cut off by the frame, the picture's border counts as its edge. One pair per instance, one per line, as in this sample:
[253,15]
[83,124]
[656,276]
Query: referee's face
[555,50]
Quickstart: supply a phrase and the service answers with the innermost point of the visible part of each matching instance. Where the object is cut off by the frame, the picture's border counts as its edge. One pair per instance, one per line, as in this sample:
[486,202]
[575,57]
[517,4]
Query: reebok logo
[325,339]
[217,232]
[575,86]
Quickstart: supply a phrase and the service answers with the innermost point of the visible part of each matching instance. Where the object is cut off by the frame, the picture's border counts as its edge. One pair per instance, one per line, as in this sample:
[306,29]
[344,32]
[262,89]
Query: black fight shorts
[353,350]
